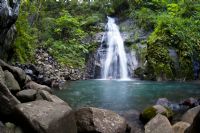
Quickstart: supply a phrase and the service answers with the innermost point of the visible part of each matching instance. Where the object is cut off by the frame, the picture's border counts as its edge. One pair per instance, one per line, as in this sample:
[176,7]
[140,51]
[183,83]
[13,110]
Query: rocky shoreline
[29,107]
[46,70]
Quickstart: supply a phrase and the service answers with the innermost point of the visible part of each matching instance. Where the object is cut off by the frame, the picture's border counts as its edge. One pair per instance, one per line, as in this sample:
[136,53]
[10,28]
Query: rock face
[45,117]
[191,114]
[180,127]
[94,120]
[8,16]
[159,124]
[11,82]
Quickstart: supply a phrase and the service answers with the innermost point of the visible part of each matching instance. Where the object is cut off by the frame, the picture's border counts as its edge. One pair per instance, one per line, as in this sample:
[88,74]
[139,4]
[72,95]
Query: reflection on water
[124,95]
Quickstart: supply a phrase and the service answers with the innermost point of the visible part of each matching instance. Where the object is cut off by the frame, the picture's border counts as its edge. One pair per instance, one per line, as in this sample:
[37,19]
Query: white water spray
[115,63]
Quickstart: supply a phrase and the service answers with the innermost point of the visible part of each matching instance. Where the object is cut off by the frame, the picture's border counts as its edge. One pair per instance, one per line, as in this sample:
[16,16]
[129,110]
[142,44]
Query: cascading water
[115,61]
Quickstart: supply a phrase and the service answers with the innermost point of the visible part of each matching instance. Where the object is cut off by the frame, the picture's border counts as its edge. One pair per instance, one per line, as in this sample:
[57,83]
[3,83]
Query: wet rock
[45,117]
[190,114]
[180,127]
[132,118]
[191,102]
[163,101]
[11,82]
[99,121]
[152,111]
[159,124]
[35,86]
[27,95]
[49,97]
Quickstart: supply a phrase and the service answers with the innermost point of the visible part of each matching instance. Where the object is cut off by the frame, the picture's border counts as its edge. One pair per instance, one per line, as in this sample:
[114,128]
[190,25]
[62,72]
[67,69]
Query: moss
[151,112]
[147,114]
[169,113]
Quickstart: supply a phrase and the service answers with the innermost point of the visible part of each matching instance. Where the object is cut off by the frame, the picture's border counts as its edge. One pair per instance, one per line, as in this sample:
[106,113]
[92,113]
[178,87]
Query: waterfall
[114,61]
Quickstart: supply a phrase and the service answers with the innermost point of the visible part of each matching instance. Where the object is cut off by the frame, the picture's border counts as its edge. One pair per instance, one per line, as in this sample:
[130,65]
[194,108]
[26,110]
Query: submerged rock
[190,102]
[163,101]
[99,121]
[159,124]
[152,111]
[45,117]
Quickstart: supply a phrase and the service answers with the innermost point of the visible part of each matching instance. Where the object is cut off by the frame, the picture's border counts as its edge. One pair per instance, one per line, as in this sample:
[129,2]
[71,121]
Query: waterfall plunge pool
[120,96]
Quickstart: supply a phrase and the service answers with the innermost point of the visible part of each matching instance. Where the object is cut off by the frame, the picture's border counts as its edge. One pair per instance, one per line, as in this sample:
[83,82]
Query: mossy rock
[152,111]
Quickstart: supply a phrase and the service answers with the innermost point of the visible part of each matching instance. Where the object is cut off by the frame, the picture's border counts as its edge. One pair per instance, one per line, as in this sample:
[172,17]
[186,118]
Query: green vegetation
[151,112]
[174,25]
[61,27]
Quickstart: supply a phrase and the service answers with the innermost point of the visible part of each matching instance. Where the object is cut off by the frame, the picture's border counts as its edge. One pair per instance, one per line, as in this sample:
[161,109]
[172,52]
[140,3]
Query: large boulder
[152,111]
[180,127]
[17,72]
[11,82]
[195,127]
[2,76]
[27,95]
[99,121]
[159,124]
[7,100]
[8,15]
[35,86]
[49,97]
[45,117]
[190,114]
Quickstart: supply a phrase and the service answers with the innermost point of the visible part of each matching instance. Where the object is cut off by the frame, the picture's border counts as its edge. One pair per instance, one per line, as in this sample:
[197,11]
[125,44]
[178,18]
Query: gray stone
[45,117]
[51,98]
[27,95]
[152,111]
[18,73]
[163,101]
[36,86]
[7,100]
[18,130]
[99,121]
[159,124]
[2,76]
[11,82]
[180,127]
[190,114]
[194,128]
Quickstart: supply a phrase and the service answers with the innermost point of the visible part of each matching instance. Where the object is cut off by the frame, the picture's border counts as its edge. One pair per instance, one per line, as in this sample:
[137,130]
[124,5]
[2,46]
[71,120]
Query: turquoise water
[124,95]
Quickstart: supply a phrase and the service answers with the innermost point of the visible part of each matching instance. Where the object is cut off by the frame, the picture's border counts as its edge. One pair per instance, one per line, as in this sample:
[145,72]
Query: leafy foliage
[61,27]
